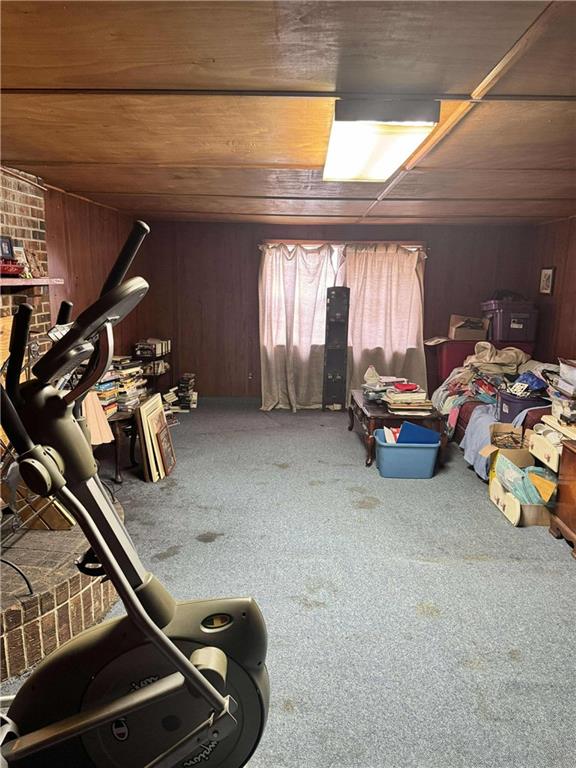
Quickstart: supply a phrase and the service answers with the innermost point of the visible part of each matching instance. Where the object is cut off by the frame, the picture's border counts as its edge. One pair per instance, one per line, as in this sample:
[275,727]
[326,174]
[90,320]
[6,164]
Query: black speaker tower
[336,347]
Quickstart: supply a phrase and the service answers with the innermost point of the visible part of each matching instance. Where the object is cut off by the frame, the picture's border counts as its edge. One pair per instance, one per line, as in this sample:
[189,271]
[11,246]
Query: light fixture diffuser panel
[365,150]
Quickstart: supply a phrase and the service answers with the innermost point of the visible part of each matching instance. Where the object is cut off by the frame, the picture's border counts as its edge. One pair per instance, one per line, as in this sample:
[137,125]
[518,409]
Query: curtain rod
[342,241]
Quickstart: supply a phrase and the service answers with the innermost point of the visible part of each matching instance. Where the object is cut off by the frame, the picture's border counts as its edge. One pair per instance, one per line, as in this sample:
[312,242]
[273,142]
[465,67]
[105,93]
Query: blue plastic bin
[406,460]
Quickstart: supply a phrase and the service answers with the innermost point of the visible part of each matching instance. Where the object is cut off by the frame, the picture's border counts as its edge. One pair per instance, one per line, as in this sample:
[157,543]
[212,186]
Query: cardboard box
[518,514]
[500,434]
[458,332]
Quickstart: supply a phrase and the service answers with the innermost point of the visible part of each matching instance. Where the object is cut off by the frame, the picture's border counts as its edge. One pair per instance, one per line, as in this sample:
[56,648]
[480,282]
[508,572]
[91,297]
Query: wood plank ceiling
[222,110]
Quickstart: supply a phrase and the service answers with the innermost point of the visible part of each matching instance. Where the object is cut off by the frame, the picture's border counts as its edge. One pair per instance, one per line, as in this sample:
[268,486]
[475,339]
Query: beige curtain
[386,311]
[292,294]
[385,324]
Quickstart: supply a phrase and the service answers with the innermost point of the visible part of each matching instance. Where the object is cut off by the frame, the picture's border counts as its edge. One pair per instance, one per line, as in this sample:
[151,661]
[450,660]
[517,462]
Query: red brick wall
[22,218]
[36,625]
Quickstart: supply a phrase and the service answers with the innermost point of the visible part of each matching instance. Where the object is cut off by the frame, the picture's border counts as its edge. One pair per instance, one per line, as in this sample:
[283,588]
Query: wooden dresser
[563,521]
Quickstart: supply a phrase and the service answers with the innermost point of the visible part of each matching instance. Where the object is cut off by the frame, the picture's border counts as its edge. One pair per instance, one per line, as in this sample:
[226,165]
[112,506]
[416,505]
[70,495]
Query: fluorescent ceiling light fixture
[370,140]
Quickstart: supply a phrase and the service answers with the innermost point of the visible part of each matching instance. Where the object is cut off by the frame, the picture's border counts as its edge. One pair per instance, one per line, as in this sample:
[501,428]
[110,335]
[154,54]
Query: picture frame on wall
[6,248]
[547,280]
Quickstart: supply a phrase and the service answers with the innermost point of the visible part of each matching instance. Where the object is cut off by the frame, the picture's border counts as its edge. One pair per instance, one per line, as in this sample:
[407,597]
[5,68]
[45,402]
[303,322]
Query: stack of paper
[414,402]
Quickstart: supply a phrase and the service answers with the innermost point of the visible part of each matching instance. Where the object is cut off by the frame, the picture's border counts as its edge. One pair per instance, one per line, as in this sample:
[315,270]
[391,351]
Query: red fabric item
[406,387]
[451,354]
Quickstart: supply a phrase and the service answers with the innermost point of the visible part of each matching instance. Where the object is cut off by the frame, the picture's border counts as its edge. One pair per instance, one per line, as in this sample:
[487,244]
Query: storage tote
[508,406]
[510,320]
[405,460]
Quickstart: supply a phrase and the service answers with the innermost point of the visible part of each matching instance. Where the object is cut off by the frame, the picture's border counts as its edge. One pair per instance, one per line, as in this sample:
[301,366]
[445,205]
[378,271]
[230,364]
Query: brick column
[22,219]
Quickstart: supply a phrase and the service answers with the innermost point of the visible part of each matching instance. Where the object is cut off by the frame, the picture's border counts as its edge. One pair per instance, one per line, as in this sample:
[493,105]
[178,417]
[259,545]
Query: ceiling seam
[530,34]
[242,93]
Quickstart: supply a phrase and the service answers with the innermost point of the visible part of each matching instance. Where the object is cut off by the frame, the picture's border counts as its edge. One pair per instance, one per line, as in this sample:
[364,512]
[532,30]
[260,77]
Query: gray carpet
[410,625]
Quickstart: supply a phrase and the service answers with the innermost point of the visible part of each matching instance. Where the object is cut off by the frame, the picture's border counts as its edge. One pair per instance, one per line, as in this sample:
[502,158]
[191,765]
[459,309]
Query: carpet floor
[410,625]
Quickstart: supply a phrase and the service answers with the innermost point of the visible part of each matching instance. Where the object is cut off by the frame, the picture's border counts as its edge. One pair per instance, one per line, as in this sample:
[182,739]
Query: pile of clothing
[482,375]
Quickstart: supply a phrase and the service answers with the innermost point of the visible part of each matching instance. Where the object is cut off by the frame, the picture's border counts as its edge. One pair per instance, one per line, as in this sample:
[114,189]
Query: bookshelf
[144,359]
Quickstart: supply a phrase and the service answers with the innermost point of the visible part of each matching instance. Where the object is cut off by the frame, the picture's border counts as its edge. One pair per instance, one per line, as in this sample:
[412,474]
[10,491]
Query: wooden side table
[371,416]
[563,518]
[123,424]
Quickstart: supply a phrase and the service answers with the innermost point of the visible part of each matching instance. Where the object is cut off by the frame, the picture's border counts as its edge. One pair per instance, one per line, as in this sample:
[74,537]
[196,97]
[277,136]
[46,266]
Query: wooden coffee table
[370,416]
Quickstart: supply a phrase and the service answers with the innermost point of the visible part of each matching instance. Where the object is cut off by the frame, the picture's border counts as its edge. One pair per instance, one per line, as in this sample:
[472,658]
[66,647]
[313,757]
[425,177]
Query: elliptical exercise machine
[169,684]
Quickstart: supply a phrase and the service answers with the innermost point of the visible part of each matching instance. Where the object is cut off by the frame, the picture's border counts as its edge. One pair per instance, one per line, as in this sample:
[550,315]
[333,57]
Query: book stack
[131,384]
[187,397]
[171,397]
[107,391]
[404,403]
[150,348]
[144,391]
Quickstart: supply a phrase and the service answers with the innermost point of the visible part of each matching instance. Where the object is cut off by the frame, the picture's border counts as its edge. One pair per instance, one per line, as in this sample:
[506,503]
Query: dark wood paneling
[204,279]
[83,240]
[555,246]
[467,264]
[204,295]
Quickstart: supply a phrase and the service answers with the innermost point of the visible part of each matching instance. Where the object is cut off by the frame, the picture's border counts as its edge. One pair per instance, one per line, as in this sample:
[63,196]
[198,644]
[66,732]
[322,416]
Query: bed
[466,410]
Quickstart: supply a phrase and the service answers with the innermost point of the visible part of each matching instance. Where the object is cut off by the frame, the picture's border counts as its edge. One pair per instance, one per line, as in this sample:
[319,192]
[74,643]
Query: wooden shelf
[22,282]
[146,358]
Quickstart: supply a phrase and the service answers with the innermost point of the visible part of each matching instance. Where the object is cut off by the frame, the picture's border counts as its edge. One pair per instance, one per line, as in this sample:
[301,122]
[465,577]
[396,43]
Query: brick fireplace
[22,219]
[63,602]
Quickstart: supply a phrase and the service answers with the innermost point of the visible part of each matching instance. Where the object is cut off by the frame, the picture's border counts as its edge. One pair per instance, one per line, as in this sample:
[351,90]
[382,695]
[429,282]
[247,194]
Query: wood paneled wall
[83,240]
[204,296]
[555,246]
[204,286]
[204,280]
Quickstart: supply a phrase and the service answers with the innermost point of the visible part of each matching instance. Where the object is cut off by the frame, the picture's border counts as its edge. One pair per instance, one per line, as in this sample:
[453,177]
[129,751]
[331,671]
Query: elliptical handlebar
[12,425]
[18,342]
[64,313]
[117,298]
[126,256]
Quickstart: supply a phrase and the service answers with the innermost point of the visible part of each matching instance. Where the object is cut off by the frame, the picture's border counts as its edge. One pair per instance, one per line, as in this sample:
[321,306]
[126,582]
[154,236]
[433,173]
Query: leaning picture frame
[149,419]
[547,280]
[166,449]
